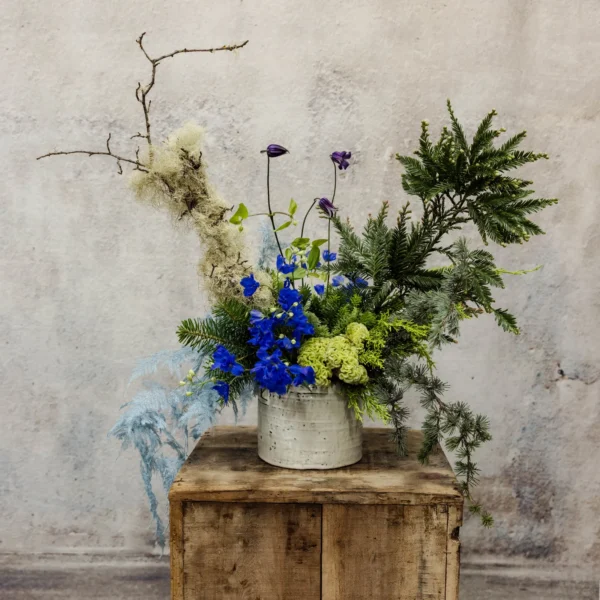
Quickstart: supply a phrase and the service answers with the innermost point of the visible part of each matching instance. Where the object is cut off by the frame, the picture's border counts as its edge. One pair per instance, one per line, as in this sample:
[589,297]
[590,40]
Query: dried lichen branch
[142,91]
[172,175]
[141,94]
[138,165]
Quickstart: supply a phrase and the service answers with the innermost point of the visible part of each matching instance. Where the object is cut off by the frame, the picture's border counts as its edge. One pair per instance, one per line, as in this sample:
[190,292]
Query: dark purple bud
[341,159]
[327,207]
[275,150]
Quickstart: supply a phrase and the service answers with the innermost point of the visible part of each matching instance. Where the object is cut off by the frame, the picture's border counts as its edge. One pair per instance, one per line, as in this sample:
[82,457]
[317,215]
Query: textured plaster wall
[91,280]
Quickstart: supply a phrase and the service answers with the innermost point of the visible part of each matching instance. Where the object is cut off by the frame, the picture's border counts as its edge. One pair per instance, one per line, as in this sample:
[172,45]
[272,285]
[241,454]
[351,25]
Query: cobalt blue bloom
[261,332]
[285,343]
[329,256]
[271,373]
[304,328]
[327,208]
[225,361]
[361,283]
[341,159]
[255,316]
[288,296]
[222,388]
[283,267]
[337,280]
[275,150]
[320,289]
[302,375]
[250,285]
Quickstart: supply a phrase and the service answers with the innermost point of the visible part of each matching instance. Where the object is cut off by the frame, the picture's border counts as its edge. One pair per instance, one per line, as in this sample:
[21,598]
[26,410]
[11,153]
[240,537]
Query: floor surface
[66,579]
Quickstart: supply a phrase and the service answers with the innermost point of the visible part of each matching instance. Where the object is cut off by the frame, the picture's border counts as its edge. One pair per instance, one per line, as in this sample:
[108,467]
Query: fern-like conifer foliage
[456,181]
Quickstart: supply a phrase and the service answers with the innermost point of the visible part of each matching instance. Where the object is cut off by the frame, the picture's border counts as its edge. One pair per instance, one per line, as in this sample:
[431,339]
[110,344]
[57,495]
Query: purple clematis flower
[222,388]
[250,285]
[341,159]
[275,150]
[327,208]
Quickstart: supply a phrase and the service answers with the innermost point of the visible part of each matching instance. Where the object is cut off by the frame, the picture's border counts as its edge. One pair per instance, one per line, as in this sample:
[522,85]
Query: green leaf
[284,226]
[288,254]
[522,272]
[293,207]
[299,273]
[313,257]
[301,243]
[506,320]
[240,214]
[318,242]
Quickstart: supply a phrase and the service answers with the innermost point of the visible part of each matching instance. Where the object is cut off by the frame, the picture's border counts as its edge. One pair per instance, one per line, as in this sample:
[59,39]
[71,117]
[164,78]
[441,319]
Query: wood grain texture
[384,552]
[453,552]
[225,467]
[176,549]
[252,551]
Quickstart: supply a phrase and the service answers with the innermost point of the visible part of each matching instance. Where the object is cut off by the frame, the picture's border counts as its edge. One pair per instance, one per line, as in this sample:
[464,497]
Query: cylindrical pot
[308,429]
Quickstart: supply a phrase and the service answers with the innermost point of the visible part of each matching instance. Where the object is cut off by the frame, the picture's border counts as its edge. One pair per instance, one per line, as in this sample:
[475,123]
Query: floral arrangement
[368,315]
[362,311]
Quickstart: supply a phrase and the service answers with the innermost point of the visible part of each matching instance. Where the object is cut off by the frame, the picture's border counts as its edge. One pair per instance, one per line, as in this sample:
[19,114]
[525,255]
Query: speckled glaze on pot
[308,429]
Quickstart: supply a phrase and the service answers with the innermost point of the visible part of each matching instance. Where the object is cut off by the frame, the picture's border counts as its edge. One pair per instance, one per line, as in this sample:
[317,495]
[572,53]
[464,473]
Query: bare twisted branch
[141,94]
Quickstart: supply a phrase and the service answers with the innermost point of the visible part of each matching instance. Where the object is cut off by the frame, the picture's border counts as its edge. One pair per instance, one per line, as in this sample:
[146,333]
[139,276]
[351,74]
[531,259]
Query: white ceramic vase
[308,429]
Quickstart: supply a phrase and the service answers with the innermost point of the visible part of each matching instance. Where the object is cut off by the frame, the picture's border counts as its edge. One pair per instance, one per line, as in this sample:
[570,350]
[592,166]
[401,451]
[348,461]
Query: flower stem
[306,215]
[328,250]
[329,225]
[269,205]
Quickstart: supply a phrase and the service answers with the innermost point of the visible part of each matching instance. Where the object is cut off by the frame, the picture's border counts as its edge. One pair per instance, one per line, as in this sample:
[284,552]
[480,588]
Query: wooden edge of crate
[224,467]
[176,548]
[455,519]
[181,494]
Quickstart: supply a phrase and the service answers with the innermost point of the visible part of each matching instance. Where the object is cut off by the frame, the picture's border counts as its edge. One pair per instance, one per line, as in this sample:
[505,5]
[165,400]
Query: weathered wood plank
[253,551]
[453,552]
[176,549]
[225,467]
[384,552]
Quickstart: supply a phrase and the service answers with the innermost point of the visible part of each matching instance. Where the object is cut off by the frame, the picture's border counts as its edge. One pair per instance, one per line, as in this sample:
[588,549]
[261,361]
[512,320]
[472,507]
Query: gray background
[91,280]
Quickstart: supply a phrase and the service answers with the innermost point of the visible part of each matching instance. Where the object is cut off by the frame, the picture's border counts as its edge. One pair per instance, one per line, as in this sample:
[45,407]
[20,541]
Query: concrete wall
[91,280]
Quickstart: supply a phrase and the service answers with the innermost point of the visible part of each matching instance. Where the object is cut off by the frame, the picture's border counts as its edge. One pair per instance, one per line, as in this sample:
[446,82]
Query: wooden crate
[383,529]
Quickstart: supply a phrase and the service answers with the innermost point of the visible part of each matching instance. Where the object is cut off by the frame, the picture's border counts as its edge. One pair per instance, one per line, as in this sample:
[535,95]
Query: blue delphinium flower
[284,267]
[341,159]
[271,373]
[357,282]
[225,361]
[329,256]
[261,330]
[298,320]
[320,289]
[275,150]
[327,208]
[222,388]
[250,285]
[285,343]
[302,375]
[288,296]
[337,280]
